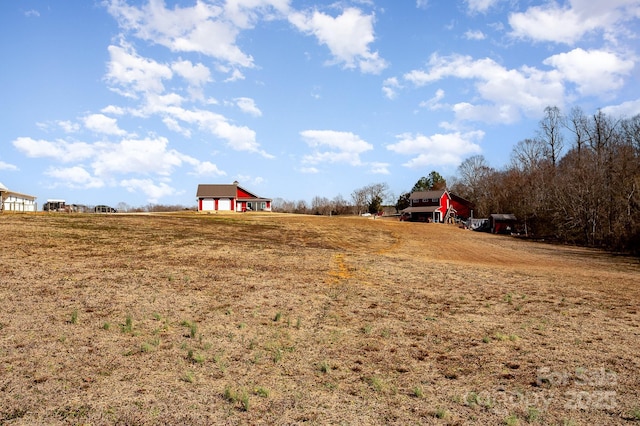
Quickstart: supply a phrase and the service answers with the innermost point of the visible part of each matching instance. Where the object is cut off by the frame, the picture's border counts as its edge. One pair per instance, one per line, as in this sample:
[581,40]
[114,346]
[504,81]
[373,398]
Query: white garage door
[224,204]
[207,205]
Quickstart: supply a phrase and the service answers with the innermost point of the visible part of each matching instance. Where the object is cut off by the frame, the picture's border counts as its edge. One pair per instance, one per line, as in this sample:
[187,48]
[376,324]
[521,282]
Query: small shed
[501,223]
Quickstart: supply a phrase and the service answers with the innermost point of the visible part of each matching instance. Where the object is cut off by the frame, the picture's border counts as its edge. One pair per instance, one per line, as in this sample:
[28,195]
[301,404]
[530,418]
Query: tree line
[575,181]
[368,199]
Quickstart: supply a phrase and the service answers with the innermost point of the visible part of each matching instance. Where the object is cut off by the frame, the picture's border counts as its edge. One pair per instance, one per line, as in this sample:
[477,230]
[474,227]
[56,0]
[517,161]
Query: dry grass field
[285,319]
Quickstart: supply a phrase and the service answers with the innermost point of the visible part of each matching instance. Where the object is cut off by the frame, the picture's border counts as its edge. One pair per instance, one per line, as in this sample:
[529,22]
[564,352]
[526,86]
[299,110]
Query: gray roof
[217,190]
[426,194]
[425,209]
[226,191]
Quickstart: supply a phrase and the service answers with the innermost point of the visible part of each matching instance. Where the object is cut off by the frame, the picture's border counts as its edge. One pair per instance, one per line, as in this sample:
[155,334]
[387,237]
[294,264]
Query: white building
[12,201]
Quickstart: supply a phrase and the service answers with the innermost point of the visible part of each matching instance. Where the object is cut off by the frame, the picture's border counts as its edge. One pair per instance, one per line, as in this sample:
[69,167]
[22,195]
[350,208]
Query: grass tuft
[533,415]
[441,413]
[418,392]
[511,420]
[240,397]
[324,367]
[261,391]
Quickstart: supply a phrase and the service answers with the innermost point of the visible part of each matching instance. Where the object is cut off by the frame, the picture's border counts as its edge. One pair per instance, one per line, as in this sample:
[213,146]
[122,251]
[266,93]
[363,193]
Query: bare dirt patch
[284,319]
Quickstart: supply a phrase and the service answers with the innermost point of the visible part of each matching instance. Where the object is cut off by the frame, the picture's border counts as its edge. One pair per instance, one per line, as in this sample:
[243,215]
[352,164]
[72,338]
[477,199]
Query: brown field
[285,319]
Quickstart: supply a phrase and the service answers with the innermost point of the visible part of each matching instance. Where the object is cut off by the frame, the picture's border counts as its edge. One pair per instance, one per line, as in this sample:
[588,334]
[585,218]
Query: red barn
[436,206]
[225,197]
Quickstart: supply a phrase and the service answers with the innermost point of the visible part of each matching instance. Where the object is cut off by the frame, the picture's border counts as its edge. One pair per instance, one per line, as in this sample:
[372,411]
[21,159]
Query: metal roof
[217,190]
[503,216]
[425,209]
[426,194]
[226,191]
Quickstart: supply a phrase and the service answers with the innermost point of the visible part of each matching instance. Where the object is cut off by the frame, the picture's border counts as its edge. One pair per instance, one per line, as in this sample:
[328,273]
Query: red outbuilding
[229,197]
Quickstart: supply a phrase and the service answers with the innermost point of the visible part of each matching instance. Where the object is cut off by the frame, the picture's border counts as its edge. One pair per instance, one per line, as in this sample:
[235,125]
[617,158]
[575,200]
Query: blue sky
[139,101]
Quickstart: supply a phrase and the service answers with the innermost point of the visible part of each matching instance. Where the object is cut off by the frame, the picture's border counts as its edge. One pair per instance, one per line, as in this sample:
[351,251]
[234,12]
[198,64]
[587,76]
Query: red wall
[443,205]
[243,194]
[462,209]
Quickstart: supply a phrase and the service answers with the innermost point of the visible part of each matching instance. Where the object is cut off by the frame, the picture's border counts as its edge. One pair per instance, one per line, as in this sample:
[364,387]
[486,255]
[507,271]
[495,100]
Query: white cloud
[173,125]
[438,149]
[334,147]
[235,75]
[379,168]
[551,22]
[148,156]
[196,75]
[201,28]
[347,36]
[68,126]
[135,74]
[504,95]
[390,87]
[207,168]
[595,72]
[75,177]
[626,109]
[434,102]
[138,156]
[113,110]
[31,13]
[239,138]
[253,181]
[309,170]
[100,123]
[507,93]
[248,105]
[490,113]
[59,150]
[480,5]
[570,22]
[7,166]
[474,35]
[154,191]
[422,4]
[245,13]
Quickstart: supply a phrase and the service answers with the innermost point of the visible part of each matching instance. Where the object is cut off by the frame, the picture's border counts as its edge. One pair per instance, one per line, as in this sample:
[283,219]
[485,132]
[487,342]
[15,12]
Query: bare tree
[321,205]
[340,205]
[301,207]
[369,197]
[473,184]
[359,198]
[528,155]
[123,207]
[551,133]
[577,123]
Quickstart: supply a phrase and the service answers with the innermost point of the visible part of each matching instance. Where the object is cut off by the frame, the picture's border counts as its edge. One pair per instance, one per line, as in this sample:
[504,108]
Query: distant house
[229,197]
[12,201]
[55,205]
[436,206]
[104,209]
